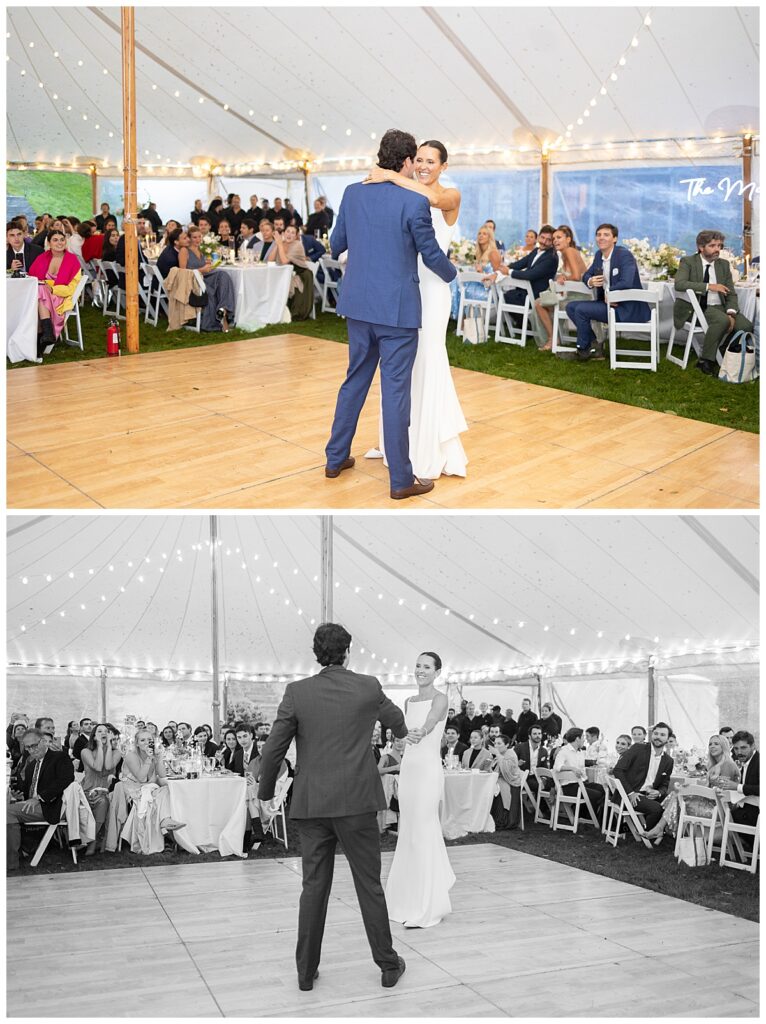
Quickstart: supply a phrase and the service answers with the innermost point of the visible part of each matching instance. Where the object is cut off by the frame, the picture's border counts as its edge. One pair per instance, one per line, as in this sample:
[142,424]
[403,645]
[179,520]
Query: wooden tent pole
[94,188]
[102,695]
[545,178]
[129,174]
[327,569]
[652,693]
[747,196]
[306,176]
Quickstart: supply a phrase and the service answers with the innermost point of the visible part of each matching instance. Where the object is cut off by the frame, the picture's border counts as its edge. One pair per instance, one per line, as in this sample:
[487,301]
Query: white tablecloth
[215,813]
[262,291]
[467,803]
[21,318]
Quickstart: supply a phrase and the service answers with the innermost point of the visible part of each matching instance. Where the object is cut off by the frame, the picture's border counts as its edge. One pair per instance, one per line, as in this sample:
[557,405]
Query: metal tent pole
[327,568]
[214,622]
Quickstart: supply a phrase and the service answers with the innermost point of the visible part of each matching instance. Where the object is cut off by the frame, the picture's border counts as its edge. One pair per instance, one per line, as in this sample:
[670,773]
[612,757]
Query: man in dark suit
[19,255]
[710,278]
[100,218]
[644,770]
[452,744]
[537,267]
[335,796]
[46,776]
[614,269]
[748,760]
[313,248]
[526,719]
[531,753]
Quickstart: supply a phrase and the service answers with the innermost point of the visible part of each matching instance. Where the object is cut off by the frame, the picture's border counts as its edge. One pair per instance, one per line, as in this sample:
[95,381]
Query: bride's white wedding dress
[417,890]
[436,419]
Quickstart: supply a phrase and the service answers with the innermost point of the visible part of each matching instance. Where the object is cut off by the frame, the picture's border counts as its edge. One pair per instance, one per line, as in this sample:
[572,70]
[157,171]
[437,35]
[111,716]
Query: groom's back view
[383,228]
[336,794]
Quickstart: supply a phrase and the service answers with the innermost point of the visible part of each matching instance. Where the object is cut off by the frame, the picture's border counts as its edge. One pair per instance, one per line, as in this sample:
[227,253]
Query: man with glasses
[46,776]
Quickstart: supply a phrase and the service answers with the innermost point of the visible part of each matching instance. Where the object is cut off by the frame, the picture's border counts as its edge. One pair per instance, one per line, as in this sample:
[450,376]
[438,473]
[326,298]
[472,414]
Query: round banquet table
[467,803]
[21,318]
[214,809]
[262,292]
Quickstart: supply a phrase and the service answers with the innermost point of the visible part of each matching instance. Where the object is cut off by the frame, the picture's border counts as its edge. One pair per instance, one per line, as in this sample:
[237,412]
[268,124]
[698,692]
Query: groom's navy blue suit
[383,227]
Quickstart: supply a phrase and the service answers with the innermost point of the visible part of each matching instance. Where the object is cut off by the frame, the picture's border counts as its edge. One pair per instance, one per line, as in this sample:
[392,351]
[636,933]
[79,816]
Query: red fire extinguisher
[113,338]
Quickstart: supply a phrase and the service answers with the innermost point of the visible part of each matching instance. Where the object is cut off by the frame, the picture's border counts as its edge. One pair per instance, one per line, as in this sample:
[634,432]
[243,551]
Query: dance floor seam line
[42,465]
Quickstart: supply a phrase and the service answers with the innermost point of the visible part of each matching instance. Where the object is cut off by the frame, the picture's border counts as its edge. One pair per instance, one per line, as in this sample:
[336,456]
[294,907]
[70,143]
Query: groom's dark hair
[331,642]
[395,147]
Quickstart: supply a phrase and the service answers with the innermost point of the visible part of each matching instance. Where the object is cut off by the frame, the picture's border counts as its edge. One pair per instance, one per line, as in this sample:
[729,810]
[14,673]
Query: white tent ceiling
[271,78]
[488,593]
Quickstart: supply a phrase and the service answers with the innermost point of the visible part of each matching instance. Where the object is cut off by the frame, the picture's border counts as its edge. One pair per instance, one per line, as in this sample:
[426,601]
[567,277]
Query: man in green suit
[710,278]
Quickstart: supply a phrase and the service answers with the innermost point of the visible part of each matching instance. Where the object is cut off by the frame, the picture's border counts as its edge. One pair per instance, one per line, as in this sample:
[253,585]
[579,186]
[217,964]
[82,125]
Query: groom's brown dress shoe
[417,487]
[389,978]
[306,986]
[332,473]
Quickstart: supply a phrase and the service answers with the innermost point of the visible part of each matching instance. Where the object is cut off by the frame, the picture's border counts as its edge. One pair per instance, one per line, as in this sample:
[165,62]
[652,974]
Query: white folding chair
[563,340]
[198,320]
[623,811]
[485,303]
[697,325]
[528,792]
[99,284]
[641,359]
[526,310]
[544,796]
[272,825]
[687,819]
[571,806]
[59,830]
[112,291]
[157,297]
[75,312]
[330,286]
[522,788]
[730,839]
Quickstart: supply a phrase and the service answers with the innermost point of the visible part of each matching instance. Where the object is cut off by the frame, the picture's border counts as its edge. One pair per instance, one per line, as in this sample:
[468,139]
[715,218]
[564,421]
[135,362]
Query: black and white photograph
[304,766]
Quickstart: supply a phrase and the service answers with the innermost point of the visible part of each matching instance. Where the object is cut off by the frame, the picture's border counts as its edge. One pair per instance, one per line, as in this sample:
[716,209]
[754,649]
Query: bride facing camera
[417,890]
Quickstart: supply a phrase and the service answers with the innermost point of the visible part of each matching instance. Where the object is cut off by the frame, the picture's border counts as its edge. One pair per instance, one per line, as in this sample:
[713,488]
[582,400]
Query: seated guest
[168,736]
[174,241]
[596,752]
[638,734]
[721,773]
[58,273]
[47,774]
[570,763]
[644,771]
[228,240]
[196,213]
[93,245]
[247,750]
[491,224]
[279,224]
[235,215]
[614,269]
[266,229]
[487,262]
[293,217]
[314,249]
[710,278]
[494,732]
[537,267]
[318,222]
[205,745]
[506,807]
[45,725]
[571,268]
[530,241]
[390,764]
[46,224]
[100,218]
[77,239]
[23,223]
[85,730]
[150,213]
[14,744]
[225,752]
[288,250]
[20,255]
[550,723]
[452,745]
[527,718]
[205,225]
[218,314]
[170,226]
[142,230]
[748,780]
[99,762]
[247,233]
[727,732]
[142,765]
[476,755]
[109,254]
[621,744]
[532,754]
[262,731]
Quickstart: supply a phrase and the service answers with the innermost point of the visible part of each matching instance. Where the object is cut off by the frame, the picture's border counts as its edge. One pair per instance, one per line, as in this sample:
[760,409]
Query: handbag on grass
[692,849]
[740,363]
[473,327]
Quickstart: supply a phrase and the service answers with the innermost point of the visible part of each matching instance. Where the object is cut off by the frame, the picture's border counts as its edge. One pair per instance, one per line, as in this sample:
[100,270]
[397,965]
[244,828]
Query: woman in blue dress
[488,259]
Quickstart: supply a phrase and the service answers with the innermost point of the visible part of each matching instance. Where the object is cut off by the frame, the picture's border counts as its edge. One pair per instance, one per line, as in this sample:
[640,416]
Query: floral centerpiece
[463,250]
[734,262]
[209,247]
[660,262]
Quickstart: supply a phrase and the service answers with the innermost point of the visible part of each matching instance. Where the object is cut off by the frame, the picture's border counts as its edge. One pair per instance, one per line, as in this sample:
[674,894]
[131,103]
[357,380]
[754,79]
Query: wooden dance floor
[527,938]
[244,425]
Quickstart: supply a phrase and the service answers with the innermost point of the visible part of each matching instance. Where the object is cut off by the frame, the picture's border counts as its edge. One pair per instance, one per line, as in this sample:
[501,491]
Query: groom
[337,793]
[383,229]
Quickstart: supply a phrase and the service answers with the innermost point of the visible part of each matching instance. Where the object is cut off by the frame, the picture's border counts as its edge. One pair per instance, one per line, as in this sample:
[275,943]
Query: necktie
[35,777]
[706,279]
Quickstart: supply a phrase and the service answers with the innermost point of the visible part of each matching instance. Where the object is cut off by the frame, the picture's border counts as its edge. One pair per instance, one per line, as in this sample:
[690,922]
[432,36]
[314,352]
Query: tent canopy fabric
[497,597]
[330,80]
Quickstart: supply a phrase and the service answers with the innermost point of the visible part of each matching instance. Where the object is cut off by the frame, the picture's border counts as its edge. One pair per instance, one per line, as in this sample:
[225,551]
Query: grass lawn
[55,192]
[672,390]
[732,892]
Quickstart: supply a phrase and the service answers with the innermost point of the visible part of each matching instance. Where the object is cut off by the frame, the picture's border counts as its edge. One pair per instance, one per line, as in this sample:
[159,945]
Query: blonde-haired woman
[144,781]
[488,260]
[720,766]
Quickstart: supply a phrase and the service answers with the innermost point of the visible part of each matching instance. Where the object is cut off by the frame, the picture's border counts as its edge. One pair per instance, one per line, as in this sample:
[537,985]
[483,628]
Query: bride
[436,419]
[417,890]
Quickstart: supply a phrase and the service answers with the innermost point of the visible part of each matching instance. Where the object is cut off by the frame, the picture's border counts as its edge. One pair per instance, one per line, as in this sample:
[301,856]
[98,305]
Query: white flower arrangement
[210,244]
[661,262]
[733,261]
[463,250]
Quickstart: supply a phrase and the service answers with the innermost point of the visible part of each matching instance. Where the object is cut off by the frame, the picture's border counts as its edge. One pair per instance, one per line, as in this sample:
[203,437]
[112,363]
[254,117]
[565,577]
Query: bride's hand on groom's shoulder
[376,175]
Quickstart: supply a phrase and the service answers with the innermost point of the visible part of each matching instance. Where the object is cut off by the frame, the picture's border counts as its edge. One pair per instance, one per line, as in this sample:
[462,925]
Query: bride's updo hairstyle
[430,654]
[331,642]
[438,146]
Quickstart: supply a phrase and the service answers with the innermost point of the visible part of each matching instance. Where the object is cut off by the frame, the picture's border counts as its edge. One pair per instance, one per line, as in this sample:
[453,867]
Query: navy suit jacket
[624,276]
[384,228]
[312,247]
[633,765]
[56,773]
[539,275]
